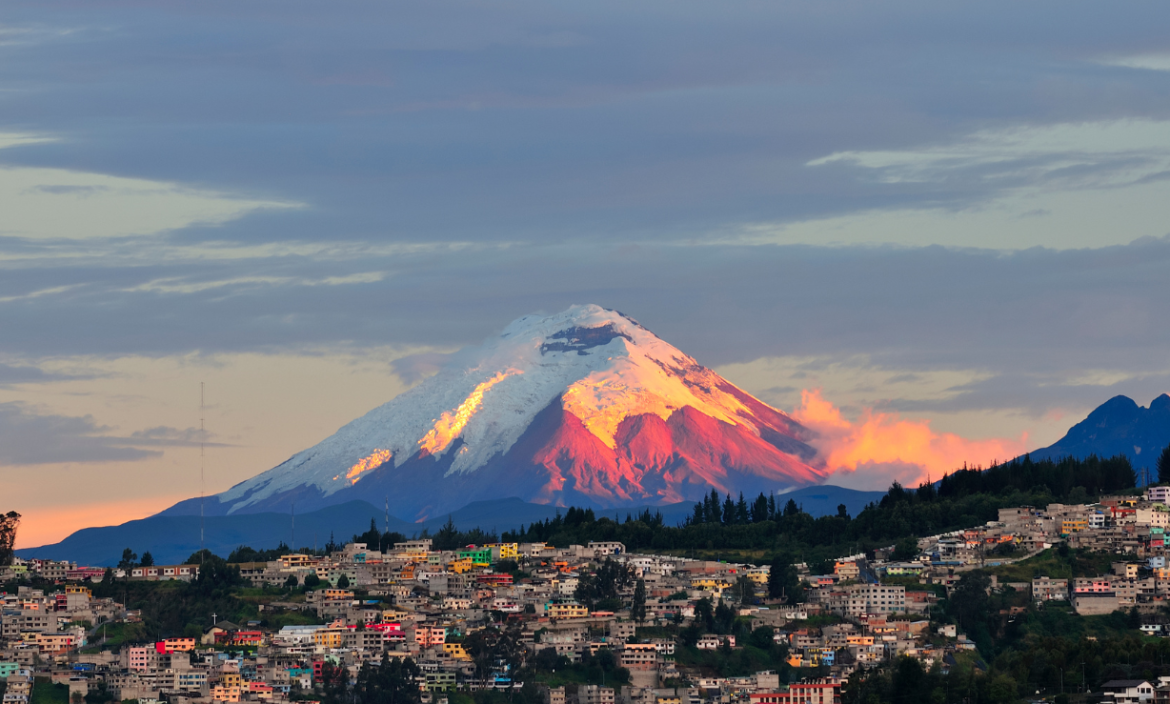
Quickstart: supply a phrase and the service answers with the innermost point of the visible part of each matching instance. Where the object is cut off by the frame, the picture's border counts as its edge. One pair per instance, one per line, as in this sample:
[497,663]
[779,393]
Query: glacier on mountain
[603,366]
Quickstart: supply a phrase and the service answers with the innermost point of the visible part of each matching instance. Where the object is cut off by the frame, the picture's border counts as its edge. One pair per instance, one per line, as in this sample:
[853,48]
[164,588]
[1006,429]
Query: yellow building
[710,584]
[759,575]
[461,566]
[504,551]
[456,651]
[329,637]
[295,560]
[566,611]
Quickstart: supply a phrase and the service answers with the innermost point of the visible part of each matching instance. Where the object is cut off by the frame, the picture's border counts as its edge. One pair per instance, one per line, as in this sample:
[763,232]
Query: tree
[216,578]
[968,602]
[728,511]
[494,651]
[763,637]
[291,582]
[906,549]
[746,589]
[1163,467]
[147,559]
[603,585]
[783,582]
[201,556]
[312,580]
[9,522]
[129,559]
[760,509]
[393,681]
[343,582]
[704,614]
[742,514]
[372,537]
[638,607]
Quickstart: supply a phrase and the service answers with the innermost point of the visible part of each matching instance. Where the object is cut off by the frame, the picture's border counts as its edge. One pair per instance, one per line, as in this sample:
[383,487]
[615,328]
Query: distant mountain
[582,408]
[1118,427]
[171,539]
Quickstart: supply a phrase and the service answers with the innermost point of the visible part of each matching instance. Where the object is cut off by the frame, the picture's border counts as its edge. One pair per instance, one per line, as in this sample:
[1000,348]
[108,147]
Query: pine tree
[1164,466]
[741,511]
[776,577]
[700,514]
[728,511]
[638,608]
[760,509]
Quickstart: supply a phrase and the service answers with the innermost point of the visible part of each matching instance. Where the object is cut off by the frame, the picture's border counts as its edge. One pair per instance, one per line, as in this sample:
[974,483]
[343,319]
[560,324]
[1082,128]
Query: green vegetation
[9,522]
[175,608]
[555,670]
[599,589]
[759,530]
[1058,563]
[45,692]
[118,634]
[1022,648]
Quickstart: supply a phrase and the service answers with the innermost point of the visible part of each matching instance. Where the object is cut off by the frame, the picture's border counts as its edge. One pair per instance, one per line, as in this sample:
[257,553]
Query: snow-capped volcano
[584,407]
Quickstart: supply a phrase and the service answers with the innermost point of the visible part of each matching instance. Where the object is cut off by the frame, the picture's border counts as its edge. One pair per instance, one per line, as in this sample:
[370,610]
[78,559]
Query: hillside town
[641,618]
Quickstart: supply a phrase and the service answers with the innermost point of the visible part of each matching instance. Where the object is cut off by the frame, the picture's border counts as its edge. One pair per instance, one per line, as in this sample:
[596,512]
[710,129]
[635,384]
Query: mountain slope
[170,539]
[584,407]
[1118,427]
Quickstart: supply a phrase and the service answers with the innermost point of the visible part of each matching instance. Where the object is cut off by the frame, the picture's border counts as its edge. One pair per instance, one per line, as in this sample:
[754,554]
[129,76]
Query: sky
[934,226]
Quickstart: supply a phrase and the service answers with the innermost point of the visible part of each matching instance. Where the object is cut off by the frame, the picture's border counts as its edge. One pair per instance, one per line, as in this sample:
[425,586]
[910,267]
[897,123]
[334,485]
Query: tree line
[966,497]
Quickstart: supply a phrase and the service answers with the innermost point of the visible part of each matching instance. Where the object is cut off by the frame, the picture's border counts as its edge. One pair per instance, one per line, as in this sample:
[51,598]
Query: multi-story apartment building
[1048,589]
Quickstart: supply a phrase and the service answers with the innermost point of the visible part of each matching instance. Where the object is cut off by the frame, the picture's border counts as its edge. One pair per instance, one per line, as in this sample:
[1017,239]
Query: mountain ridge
[172,538]
[1118,426]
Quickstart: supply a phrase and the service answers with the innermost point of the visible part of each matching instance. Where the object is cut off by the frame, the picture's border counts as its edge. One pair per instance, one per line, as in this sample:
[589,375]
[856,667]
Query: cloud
[416,367]
[882,447]
[547,123]
[54,204]
[1148,62]
[28,438]
[29,374]
[1061,186]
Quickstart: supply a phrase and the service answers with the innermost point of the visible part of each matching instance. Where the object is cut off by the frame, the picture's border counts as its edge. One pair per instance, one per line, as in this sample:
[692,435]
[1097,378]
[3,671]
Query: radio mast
[201,482]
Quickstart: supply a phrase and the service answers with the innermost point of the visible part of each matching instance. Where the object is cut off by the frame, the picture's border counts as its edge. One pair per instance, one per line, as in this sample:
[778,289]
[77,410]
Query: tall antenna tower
[201,482]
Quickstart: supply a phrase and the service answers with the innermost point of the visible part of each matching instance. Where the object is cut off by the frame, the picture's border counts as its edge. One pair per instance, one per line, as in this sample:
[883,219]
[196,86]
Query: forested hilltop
[734,527]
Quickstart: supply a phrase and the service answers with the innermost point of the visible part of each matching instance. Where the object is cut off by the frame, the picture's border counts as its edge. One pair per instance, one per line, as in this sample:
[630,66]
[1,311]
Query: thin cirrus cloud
[30,438]
[55,204]
[1061,186]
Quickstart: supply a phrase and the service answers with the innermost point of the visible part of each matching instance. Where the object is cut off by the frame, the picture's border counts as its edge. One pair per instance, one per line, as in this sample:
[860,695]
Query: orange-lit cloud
[44,526]
[881,447]
[451,423]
